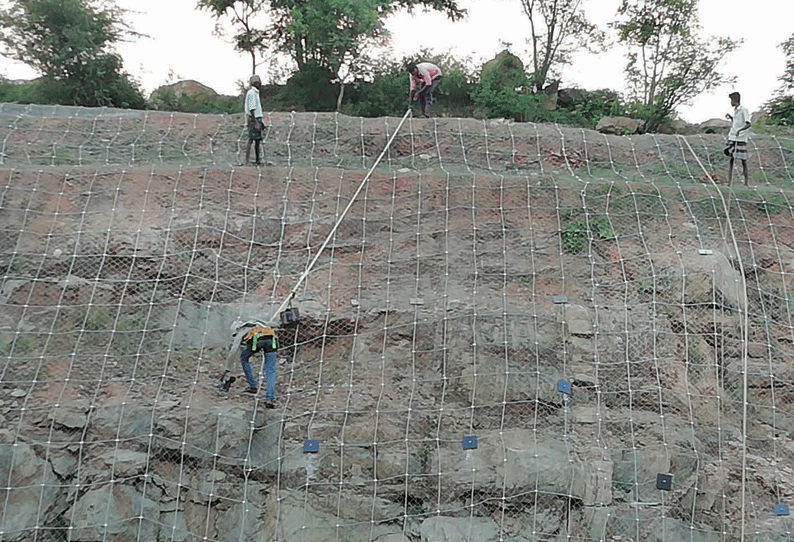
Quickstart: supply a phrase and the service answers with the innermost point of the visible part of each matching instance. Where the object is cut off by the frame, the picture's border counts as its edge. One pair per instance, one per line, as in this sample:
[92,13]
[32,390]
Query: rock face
[574,301]
[504,66]
[518,463]
[179,89]
[117,510]
[443,529]
[619,125]
[677,126]
[715,126]
[33,494]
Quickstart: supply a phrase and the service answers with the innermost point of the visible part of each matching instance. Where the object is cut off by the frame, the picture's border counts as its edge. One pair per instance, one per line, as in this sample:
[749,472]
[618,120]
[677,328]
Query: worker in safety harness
[254,336]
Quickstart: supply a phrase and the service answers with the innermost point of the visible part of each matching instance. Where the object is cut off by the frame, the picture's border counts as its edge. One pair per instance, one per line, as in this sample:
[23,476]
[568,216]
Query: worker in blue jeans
[260,338]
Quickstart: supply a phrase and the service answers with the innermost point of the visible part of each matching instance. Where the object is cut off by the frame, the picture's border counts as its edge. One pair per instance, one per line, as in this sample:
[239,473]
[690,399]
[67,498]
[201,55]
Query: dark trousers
[426,94]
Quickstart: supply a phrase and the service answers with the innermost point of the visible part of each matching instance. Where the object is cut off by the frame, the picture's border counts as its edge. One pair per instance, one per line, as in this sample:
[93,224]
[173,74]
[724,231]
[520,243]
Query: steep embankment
[485,267]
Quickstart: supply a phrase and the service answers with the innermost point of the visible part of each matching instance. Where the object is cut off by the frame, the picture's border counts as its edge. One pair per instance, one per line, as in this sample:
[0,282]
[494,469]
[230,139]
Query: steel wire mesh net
[516,332]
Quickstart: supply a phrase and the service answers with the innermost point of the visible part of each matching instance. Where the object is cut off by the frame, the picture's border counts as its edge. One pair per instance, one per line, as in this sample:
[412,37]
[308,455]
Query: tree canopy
[71,43]
[788,74]
[780,108]
[248,38]
[557,28]
[319,35]
[668,64]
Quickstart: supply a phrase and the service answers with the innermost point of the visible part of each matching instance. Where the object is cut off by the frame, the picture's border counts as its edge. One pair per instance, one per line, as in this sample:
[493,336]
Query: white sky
[182,43]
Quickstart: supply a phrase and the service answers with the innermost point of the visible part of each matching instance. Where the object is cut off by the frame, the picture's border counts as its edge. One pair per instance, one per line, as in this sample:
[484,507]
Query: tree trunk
[341,96]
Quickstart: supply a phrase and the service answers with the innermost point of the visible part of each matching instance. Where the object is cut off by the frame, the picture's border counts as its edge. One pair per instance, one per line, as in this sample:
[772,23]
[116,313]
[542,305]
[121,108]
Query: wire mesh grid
[483,264]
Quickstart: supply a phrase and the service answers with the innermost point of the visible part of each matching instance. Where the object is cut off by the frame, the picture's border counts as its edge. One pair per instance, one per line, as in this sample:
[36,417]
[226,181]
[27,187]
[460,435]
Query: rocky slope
[484,271]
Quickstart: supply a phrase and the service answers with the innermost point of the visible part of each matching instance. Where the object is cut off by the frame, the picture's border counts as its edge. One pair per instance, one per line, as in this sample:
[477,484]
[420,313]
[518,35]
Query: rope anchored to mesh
[361,186]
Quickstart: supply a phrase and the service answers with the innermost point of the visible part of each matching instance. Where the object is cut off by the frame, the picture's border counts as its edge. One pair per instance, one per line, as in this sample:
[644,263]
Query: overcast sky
[181,45]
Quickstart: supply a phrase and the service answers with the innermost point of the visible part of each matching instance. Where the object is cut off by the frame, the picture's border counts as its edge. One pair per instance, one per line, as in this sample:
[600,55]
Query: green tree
[70,42]
[248,38]
[668,64]
[328,33]
[788,74]
[557,29]
[780,109]
[326,39]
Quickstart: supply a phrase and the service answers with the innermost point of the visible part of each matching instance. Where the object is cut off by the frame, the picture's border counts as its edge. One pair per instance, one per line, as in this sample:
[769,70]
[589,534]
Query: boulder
[519,462]
[161,95]
[619,125]
[677,127]
[71,415]
[124,463]
[486,381]
[635,472]
[396,537]
[446,529]
[551,96]
[714,126]
[758,116]
[706,273]
[707,494]
[121,420]
[187,87]
[114,509]
[577,320]
[506,65]
[331,515]
[176,526]
[239,521]
[662,529]
[33,488]
[222,432]
[649,524]
[569,98]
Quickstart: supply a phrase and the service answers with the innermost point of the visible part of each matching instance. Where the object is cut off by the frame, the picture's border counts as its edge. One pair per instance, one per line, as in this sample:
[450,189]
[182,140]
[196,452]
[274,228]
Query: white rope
[339,220]
[745,334]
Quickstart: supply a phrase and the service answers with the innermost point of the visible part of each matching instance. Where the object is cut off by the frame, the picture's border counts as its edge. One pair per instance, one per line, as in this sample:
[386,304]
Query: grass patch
[649,203]
[20,345]
[611,189]
[675,170]
[574,234]
[707,209]
[642,202]
[772,204]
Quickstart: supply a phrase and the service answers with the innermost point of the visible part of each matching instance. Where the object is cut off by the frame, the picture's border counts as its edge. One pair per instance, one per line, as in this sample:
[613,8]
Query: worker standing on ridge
[254,336]
[736,147]
[425,78]
[253,115]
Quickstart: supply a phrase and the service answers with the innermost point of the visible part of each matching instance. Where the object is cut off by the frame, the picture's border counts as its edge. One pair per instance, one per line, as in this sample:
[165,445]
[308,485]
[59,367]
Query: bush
[387,93]
[780,111]
[13,92]
[504,89]
[520,104]
[118,92]
[653,116]
[310,89]
[453,96]
[600,103]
